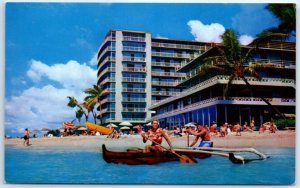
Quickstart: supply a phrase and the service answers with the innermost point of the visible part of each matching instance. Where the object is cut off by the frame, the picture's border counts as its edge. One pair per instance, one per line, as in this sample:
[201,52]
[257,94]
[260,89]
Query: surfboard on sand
[98,128]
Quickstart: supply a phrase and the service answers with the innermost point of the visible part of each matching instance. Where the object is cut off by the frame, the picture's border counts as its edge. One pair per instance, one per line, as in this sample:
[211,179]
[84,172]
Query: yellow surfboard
[98,128]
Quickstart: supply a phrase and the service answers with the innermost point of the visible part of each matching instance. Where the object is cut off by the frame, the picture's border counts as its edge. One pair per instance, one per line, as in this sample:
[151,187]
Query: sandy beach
[254,140]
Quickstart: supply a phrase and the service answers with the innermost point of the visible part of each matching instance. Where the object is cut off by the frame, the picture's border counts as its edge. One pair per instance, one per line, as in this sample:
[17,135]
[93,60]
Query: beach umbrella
[191,124]
[45,129]
[82,129]
[125,128]
[137,127]
[69,125]
[112,125]
[125,123]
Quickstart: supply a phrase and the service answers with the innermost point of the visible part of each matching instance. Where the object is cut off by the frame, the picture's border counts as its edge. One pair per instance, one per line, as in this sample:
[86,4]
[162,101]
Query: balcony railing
[107,100]
[174,55]
[224,80]
[132,48]
[137,39]
[165,93]
[134,90]
[275,63]
[134,69]
[106,80]
[226,100]
[133,79]
[175,74]
[106,110]
[136,59]
[158,83]
[134,100]
[107,91]
[165,64]
[107,59]
[106,70]
[179,46]
[134,119]
[134,110]
[109,48]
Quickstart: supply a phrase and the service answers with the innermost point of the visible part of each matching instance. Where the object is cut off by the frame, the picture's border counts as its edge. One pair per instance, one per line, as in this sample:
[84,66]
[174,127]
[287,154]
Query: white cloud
[245,39]
[39,107]
[206,33]
[93,61]
[70,75]
[44,105]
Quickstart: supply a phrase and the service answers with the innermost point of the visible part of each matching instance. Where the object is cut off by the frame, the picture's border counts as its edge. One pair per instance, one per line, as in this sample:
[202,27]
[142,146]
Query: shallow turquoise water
[87,166]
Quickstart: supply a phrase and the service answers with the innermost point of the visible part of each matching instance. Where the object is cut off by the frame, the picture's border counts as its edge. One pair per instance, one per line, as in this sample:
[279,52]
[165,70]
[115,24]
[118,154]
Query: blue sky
[51,47]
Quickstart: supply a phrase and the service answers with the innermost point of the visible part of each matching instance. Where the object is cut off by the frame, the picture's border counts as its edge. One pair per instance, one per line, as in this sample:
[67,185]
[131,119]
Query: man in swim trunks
[202,133]
[156,134]
[26,137]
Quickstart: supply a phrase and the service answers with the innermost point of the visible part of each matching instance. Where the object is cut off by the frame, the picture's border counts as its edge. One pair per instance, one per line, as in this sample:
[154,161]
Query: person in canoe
[155,134]
[202,133]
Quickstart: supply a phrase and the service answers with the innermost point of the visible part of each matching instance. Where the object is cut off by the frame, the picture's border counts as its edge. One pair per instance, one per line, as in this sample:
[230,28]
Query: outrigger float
[136,156]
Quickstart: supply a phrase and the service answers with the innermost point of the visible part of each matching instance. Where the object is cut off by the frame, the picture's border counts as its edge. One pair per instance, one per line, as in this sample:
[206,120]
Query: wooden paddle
[182,158]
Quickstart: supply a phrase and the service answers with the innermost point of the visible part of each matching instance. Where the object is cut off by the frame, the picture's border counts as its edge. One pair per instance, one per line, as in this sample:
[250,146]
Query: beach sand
[255,140]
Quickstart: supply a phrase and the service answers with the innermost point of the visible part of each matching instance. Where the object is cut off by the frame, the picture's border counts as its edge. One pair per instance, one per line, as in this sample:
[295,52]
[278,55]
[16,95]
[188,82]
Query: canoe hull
[98,128]
[136,157]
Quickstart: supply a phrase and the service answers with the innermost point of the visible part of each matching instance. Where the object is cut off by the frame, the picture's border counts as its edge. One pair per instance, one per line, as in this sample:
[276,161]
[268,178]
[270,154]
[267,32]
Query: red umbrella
[69,125]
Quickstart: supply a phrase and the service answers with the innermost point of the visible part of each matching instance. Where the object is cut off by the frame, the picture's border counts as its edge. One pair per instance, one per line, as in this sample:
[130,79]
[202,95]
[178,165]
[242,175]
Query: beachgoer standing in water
[156,134]
[26,137]
[202,133]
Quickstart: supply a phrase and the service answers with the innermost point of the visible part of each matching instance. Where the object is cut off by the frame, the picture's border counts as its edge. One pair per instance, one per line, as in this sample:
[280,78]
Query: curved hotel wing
[145,78]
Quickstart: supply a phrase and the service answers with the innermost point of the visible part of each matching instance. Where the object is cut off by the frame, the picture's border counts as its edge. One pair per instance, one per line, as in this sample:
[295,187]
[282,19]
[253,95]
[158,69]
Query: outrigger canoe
[137,157]
[98,128]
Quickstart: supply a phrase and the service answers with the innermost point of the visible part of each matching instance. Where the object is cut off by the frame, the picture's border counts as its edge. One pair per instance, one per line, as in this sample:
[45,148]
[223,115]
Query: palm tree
[80,111]
[93,97]
[286,13]
[231,61]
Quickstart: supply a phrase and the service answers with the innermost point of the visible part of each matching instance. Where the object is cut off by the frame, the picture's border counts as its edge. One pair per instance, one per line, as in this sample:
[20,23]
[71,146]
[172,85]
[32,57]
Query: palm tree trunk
[265,100]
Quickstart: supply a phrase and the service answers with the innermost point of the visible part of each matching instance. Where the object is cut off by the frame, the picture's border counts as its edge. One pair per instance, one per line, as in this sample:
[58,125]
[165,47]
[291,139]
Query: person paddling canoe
[203,133]
[156,134]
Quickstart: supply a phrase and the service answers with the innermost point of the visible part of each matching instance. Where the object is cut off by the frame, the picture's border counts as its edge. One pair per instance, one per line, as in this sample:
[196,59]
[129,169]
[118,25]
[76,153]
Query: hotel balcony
[136,59]
[174,55]
[165,64]
[108,38]
[103,101]
[271,63]
[168,74]
[106,80]
[171,84]
[106,70]
[106,60]
[135,120]
[109,48]
[136,39]
[135,69]
[106,110]
[133,99]
[131,48]
[107,91]
[165,93]
[179,46]
[133,110]
[134,90]
[133,79]
[227,100]
[221,79]
[279,45]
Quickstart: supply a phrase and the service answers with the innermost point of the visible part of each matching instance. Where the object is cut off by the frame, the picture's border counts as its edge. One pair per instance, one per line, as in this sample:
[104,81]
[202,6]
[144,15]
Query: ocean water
[78,166]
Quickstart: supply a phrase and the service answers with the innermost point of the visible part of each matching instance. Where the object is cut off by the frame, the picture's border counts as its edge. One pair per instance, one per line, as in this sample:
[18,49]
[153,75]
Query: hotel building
[136,71]
[202,99]
[145,78]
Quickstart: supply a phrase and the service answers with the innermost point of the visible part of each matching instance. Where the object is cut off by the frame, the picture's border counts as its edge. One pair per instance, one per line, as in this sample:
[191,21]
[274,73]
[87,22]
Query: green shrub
[282,123]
